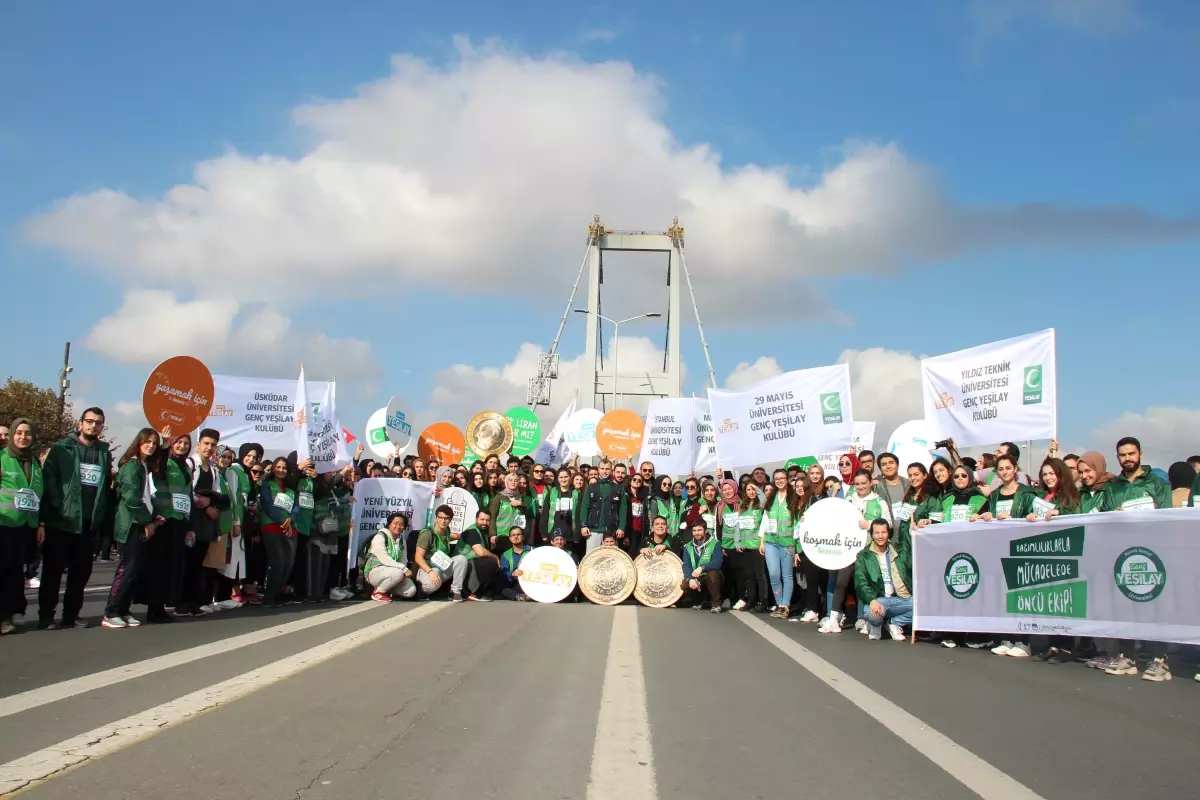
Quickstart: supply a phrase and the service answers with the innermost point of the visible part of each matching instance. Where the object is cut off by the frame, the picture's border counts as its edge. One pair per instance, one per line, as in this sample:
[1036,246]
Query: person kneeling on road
[510,566]
[473,546]
[882,575]
[387,562]
[702,558]
[433,558]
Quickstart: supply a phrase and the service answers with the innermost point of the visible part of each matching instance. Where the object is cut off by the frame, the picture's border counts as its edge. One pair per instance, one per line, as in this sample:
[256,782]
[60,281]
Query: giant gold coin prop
[659,580]
[607,576]
[489,433]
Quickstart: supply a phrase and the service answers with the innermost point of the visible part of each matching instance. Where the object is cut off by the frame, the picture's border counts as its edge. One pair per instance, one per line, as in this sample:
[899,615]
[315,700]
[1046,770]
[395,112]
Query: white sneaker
[861,626]
[338,593]
[131,622]
[1002,648]
[113,622]
[874,637]
[809,616]
[832,625]
[18,619]
[228,605]
[740,605]
[896,632]
[209,609]
[1019,651]
[949,644]
[34,583]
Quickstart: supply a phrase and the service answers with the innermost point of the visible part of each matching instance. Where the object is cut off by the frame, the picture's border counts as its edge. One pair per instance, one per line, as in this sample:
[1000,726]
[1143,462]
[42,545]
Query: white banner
[326,444]
[554,451]
[679,436]
[998,392]
[257,410]
[300,419]
[376,498]
[864,439]
[804,411]
[1128,575]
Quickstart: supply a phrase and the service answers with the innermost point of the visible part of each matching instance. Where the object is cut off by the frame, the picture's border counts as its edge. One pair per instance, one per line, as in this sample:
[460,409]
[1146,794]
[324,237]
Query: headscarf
[1180,474]
[658,492]
[25,454]
[249,447]
[855,466]
[511,488]
[963,496]
[1100,467]
[722,503]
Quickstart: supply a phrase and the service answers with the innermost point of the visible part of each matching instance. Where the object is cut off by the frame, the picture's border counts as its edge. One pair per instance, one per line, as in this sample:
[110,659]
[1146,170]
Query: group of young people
[201,529]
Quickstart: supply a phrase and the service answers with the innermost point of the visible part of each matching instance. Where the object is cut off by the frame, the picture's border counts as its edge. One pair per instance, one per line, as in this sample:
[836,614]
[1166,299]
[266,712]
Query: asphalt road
[520,700]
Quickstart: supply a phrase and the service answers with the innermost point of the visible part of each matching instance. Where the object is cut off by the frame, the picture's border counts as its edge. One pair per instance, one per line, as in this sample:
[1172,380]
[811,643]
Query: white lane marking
[15,704]
[964,766]
[105,740]
[622,761]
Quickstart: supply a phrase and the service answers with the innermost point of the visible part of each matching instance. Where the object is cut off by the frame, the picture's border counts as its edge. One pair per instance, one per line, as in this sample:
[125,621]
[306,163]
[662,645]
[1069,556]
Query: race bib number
[747,523]
[904,511]
[772,526]
[636,508]
[1041,508]
[936,516]
[26,500]
[182,503]
[565,503]
[958,513]
[710,520]
[285,502]
[306,501]
[732,520]
[89,474]
[520,521]
[439,560]
[1004,507]
[1138,504]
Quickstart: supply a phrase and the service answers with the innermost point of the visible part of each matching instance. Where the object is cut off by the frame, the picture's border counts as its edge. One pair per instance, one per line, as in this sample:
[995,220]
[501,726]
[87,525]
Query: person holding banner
[559,510]
[964,500]
[779,520]
[386,568]
[1057,493]
[1136,487]
[1012,500]
[21,486]
[1094,479]
[882,577]
[433,559]
[937,483]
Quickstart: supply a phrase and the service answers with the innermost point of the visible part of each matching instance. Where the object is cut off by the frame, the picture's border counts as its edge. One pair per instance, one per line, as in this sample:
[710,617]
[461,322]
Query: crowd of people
[199,528]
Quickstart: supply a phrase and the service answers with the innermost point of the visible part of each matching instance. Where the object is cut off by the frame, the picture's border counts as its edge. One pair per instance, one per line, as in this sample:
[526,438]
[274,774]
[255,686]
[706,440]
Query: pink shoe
[380,597]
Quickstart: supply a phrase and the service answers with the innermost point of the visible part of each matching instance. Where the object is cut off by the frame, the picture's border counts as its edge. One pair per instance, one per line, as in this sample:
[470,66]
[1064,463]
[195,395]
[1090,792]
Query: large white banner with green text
[1129,575]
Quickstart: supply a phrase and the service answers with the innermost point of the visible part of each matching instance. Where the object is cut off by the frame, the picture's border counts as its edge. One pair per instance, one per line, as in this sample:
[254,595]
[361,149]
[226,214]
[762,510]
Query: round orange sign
[443,441]
[619,434]
[178,395]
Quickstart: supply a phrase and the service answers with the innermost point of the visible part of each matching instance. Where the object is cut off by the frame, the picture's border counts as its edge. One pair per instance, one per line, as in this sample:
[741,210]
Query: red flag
[349,437]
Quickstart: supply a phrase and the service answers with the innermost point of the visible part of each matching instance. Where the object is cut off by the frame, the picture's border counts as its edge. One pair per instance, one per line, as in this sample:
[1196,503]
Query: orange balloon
[443,441]
[178,395]
[619,434]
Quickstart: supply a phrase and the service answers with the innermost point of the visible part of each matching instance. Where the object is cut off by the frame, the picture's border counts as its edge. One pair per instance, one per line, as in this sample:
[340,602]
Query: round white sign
[548,574]
[395,422]
[580,432]
[829,534]
[377,438]
[465,508]
[912,434]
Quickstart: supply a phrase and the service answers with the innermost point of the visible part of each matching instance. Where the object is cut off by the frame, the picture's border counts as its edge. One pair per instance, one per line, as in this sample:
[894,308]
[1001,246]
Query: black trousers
[298,579]
[12,569]
[753,581]
[480,574]
[131,561]
[71,553]
[815,579]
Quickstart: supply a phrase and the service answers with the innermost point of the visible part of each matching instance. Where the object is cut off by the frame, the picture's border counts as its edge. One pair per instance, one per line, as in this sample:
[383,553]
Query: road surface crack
[300,792]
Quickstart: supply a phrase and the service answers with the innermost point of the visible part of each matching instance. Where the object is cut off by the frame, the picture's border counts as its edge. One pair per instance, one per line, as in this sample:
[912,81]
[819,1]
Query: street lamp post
[616,341]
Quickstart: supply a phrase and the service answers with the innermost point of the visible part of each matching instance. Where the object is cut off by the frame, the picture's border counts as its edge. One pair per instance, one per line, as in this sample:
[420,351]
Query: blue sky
[1022,114]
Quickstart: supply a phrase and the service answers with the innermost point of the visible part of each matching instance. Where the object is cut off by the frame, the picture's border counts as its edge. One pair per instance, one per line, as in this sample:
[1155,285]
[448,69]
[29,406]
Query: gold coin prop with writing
[659,580]
[607,576]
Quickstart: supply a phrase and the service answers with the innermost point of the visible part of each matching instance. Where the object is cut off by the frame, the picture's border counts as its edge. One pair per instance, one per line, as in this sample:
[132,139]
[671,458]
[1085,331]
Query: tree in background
[24,399]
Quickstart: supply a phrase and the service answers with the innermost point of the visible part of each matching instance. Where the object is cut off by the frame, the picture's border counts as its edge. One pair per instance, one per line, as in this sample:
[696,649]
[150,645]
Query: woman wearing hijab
[509,510]
[963,501]
[1094,479]
[21,485]
[558,514]
[479,490]
[135,524]
[848,465]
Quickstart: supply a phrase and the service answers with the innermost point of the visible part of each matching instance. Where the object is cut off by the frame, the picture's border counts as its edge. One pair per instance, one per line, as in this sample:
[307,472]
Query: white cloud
[745,373]
[487,168]
[153,325]
[1167,434]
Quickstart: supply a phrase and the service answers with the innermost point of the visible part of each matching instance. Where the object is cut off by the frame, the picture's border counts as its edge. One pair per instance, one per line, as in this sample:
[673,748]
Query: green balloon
[527,431]
[803,463]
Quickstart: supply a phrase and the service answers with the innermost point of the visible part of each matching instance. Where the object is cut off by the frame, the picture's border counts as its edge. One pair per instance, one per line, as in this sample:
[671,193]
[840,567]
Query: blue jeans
[897,611]
[780,562]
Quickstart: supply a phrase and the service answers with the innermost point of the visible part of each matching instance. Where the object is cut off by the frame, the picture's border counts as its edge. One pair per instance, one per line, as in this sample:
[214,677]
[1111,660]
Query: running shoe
[949,643]
[1019,650]
[479,599]
[716,609]
[131,621]
[896,632]
[861,626]
[740,605]
[6,627]
[1157,671]
[1002,648]
[18,619]
[113,622]
[810,616]
[381,597]
[455,597]
[1099,662]
[1122,666]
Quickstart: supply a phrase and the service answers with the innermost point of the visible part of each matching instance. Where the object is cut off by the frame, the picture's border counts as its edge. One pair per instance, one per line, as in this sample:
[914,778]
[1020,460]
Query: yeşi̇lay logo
[962,575]
[1031,392]
[831,408]
[1140,574]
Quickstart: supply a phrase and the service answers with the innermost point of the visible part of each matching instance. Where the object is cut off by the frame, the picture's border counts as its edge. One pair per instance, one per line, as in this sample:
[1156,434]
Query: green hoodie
[1145,485]
[1022,502]
[131,500]
[62,494]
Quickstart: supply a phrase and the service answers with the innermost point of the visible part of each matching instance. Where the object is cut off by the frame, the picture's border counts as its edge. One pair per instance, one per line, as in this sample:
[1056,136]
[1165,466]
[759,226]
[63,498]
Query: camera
[943,443]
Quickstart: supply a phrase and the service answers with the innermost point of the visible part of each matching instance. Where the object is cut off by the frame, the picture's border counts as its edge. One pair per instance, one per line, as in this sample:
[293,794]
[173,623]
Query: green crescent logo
[831,408]
[1033,385]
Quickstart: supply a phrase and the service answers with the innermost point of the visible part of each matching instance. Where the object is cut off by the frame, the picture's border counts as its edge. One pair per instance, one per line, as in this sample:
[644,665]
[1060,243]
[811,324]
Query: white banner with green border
[1129,575]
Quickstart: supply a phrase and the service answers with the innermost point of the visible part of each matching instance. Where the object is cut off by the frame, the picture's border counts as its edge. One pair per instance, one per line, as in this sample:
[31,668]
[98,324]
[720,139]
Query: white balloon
[830,535]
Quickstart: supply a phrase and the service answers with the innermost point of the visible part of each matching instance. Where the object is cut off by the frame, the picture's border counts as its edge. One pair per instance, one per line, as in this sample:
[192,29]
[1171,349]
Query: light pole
[616,340]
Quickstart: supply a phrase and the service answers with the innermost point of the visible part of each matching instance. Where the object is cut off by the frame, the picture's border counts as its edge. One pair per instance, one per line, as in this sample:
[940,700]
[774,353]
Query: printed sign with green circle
[1140,574]
[803,463]
[527,431]
[962,576]
[469,457]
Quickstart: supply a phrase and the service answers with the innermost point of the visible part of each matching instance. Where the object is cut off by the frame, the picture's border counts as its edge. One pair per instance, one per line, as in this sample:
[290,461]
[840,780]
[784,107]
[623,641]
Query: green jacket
[1123,490]
[62,507]
[131,501]
[932,508]
[603,509]
[1063,510]
[975,503]
[1194,497]
[1094,500]
[1022,502]
[868,577]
